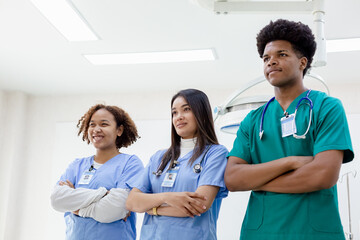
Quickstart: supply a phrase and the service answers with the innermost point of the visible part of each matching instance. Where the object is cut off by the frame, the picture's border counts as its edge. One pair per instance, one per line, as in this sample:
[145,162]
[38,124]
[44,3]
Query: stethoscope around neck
[309,102]
[196,169]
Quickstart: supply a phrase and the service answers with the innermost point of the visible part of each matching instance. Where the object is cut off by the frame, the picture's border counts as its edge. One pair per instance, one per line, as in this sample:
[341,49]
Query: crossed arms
[294,174]
[100,204]
[174,204]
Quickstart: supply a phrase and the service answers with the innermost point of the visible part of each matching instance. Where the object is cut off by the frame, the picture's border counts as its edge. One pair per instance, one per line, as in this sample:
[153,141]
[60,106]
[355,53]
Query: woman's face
[103,131]
[183,118]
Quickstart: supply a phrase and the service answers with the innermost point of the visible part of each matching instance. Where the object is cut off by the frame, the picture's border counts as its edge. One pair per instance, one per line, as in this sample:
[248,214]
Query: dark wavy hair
[130,134]
[200,106]
[298,34]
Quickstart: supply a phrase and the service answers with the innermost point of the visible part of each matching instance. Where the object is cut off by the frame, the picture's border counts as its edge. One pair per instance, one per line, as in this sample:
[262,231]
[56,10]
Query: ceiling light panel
[151,57]
[64,16]
[343,45]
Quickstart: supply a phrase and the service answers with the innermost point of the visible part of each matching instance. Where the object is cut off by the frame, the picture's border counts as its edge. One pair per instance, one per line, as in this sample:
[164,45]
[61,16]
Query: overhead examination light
[316,7]
[229,115]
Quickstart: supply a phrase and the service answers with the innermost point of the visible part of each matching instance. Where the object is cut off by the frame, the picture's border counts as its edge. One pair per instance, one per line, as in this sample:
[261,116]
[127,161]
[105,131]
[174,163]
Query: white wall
[34,148]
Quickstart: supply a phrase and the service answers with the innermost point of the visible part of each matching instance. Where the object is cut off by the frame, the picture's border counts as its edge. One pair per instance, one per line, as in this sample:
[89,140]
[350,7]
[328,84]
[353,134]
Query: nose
[97,129]
[178,116]
[272,61]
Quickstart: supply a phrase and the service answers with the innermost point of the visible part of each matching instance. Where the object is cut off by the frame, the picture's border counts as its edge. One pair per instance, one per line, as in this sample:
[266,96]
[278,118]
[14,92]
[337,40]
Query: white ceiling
[35,58]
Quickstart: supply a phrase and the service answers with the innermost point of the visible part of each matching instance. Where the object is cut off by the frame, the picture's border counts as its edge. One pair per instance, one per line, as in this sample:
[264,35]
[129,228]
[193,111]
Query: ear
[120,130]
[303,63]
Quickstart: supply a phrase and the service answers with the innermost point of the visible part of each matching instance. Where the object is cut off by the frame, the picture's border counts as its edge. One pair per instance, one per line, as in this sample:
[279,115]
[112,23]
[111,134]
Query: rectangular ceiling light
[343,45]
[151,57]
[64,16]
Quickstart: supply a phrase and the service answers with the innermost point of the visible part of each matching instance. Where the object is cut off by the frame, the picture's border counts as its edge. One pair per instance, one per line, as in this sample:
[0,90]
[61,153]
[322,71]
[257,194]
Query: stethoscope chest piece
[197,168]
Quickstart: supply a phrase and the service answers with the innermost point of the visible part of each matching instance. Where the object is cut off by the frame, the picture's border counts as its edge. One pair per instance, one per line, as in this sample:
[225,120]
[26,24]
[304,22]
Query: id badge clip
[288,128]
[87,176]
[170,177]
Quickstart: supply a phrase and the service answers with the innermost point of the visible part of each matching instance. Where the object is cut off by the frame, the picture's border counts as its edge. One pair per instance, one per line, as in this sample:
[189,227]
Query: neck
[286,95]
[102,156]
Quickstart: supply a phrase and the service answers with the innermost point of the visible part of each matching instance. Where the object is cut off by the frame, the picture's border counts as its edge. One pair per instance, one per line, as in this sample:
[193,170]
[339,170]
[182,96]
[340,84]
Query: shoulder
[158,155]
[324,102]
[80,161]
[217,150]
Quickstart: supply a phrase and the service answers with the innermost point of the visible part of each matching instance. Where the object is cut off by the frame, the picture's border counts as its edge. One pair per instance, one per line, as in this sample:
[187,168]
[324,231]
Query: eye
[187,109]
[283,54]
[104,124]
[173,113]
[265,59]
[92,125]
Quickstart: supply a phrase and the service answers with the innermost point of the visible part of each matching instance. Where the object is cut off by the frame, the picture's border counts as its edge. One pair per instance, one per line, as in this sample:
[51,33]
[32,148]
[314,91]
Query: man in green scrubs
[292,173]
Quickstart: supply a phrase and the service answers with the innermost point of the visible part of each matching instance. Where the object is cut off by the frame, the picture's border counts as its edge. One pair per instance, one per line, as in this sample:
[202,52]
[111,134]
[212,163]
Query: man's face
[282,66]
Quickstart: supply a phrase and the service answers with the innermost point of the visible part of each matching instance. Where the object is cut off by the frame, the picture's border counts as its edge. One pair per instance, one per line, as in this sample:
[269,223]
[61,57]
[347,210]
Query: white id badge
[86,177]
[169,179]
[287,127]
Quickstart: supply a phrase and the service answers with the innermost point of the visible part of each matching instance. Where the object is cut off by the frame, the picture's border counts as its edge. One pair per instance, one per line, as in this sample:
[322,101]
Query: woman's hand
[190,203]
[67,183]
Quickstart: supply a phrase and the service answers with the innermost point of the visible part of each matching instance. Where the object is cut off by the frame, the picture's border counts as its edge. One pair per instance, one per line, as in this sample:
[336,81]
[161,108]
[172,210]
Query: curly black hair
[130,134]
[298,34]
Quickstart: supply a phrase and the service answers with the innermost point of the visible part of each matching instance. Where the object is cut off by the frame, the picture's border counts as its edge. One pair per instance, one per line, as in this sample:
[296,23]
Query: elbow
[132,206]
[235,185]
[129,205]
[324,181]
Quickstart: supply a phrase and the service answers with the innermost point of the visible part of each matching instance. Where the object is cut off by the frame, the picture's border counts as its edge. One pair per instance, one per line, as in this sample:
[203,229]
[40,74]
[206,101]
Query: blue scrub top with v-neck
[199,227]
[115,173]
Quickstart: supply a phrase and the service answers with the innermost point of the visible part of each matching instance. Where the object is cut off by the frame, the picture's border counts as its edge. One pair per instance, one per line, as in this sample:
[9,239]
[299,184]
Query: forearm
[66,199]
[108,209]
[169,211]
[243,176]
[322,173]
[141,202]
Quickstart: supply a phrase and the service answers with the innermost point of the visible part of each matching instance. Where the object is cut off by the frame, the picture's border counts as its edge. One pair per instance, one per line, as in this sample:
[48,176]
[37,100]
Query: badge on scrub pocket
[287,126]
[169,179]
[86,177]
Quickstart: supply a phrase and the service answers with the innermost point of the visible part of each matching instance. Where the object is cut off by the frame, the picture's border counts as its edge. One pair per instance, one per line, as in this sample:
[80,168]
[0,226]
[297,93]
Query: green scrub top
[305,216]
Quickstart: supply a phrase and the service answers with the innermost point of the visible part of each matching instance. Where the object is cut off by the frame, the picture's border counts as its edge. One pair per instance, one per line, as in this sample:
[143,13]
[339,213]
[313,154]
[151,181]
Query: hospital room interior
[60,57]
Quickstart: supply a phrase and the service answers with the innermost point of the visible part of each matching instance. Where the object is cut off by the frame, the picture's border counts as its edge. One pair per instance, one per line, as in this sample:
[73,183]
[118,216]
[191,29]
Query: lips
[180,125]
[273,70]
[97,138]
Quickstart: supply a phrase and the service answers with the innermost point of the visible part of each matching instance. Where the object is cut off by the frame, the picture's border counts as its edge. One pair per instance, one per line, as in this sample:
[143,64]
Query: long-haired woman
[182,187]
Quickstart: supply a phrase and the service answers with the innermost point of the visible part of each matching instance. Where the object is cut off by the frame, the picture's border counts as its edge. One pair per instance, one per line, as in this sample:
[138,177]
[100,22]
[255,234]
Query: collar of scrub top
[197,167]
[310,103]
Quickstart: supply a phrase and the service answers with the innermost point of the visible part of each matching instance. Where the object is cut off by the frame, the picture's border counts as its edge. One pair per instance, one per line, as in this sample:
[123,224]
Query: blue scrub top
[112,174]
[305,216]
[199,227]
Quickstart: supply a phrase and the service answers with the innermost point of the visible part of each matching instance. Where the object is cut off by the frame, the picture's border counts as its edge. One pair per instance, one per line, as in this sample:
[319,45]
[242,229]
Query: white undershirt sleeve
[67,199]
[108,209]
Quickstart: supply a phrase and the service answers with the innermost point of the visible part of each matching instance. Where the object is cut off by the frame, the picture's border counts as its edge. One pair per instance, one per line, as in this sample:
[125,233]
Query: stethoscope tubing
[261,130]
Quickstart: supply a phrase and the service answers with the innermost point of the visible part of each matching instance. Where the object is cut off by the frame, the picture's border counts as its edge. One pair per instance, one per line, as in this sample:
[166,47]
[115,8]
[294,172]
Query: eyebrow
[103,120]
[182,106]
[280,51]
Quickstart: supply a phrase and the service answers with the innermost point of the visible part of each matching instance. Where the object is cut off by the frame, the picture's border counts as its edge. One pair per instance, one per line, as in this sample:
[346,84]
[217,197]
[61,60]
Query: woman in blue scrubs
[92,191]
[182,187]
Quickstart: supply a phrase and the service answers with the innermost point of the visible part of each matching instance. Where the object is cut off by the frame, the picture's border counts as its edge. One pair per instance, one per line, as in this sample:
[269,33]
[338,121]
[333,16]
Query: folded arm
[67,199]
[175,204]
[109,208]
[241,176]
[322,173]
[209,192]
